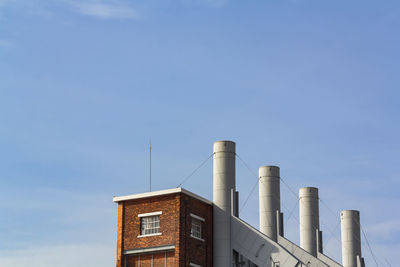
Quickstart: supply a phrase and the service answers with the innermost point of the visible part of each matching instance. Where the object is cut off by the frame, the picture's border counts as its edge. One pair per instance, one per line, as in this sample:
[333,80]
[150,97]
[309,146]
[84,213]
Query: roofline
[161,193]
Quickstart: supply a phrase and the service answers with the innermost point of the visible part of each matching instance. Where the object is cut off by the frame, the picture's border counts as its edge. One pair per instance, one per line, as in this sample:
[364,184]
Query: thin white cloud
[5,43]
[210,3]
[4,3]
[384,230]
[105,9]
[96,255]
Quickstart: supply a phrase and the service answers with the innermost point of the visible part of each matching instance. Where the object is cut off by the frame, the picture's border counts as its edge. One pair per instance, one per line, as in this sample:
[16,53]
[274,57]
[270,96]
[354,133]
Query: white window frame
[150,214]
[146,215]
[199,219]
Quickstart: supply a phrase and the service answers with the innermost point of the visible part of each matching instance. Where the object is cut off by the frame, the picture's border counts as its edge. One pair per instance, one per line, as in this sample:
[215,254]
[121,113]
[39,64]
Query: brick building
[164,228]
[177,228]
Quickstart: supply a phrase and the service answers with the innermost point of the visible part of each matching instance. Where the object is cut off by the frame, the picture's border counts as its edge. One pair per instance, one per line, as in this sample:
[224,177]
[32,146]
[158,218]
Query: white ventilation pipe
[309,219]
[351,239]
[269,200]
[223,183]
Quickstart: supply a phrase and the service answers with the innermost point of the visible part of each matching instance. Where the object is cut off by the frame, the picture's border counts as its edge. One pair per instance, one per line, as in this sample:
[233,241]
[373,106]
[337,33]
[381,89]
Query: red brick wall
[168,204]
[159,260]
[130,226]
[175,225]
[197,251]
[119,233]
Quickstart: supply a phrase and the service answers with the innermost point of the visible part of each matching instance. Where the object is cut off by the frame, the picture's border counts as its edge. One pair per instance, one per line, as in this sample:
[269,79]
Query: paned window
[150,225]
[196,228]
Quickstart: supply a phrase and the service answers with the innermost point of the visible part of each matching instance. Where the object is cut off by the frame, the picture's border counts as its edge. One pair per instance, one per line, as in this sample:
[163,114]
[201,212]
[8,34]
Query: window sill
[198,238]
[139,236]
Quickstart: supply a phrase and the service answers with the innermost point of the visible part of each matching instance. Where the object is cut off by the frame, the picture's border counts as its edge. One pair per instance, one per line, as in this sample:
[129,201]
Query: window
[150,223]
[196,228]
[197,224]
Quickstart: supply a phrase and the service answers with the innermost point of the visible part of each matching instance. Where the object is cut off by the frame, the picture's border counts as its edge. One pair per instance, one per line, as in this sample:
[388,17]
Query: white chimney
[269,200]
[223,184]
[351,238]
[309,219]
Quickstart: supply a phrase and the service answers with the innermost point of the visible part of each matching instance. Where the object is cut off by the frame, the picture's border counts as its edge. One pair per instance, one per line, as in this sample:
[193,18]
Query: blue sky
[311,86]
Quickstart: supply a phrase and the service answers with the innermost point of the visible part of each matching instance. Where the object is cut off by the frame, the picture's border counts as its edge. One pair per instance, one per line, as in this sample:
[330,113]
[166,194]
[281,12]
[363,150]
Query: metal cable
[294,194]
[194,171]
[254,187]
[370,250]
[290,211]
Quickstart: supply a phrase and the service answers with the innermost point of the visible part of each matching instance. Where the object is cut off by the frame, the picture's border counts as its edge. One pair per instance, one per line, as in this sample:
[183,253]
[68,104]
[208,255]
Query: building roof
[161,193]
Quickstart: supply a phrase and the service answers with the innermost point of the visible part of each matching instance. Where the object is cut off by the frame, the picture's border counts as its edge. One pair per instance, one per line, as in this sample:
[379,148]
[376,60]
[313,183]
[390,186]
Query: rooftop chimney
[351,239]
[309,219]
[223,184]
[269,200]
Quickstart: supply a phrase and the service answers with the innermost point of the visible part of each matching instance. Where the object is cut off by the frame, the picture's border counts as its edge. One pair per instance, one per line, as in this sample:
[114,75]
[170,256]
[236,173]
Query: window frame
[201,221]
[143,219]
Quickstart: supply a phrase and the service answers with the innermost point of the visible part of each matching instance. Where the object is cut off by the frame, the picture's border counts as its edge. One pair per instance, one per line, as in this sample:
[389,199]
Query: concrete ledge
[148,250]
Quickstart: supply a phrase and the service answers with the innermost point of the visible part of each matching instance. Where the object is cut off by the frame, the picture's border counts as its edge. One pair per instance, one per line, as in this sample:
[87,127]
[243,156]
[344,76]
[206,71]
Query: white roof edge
[148,194]
[160,193]
[196,196]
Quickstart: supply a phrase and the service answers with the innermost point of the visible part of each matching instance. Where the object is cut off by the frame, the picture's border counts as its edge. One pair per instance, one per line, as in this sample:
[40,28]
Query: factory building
[177,228]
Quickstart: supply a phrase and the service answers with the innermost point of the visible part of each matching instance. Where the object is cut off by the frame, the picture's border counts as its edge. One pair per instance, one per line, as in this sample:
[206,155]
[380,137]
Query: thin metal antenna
[150,165]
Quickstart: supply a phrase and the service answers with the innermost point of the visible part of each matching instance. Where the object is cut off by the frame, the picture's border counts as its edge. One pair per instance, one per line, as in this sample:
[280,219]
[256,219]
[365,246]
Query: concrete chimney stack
[309,219]
[223,184]
[269,200]
[351,238]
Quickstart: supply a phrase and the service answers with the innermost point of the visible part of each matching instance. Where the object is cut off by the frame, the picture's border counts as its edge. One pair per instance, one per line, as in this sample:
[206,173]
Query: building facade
[164,228]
